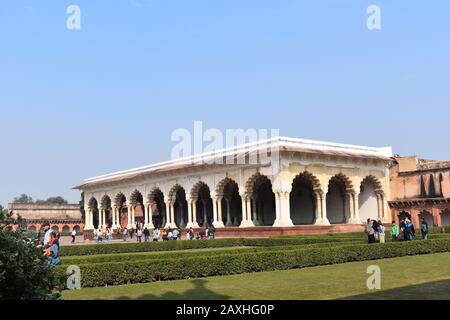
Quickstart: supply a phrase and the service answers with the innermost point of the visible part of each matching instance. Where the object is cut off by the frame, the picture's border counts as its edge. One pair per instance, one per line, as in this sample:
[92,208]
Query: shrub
[104,274]
[183,254]
[22,273]
[186,245]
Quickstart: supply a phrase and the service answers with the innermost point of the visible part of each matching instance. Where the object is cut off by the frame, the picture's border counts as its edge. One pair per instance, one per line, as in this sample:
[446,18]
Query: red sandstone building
[420,189]
[62,218]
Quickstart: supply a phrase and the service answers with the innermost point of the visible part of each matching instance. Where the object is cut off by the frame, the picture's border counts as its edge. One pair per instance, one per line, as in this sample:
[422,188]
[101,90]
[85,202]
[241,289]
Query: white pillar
[167,213]
[113,215]
[194,214]
[172,215]
[133,215]
[129,225]
[118,212]
[321,210]
[88,225]
[354,205]
[323,203]
[244,211]
[216,221]
[284,216]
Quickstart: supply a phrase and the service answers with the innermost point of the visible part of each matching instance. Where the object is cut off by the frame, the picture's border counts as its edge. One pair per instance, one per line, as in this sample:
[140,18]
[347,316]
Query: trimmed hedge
[185,254]
[67,251]
[104,274]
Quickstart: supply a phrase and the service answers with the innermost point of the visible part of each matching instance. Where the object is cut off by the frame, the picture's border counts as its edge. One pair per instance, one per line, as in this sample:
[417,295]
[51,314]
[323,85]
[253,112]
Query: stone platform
[266,232]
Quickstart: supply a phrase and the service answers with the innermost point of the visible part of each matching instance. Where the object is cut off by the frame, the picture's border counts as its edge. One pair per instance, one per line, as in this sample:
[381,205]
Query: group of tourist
[103,233]
[142,234]
[376,231]
[50,246]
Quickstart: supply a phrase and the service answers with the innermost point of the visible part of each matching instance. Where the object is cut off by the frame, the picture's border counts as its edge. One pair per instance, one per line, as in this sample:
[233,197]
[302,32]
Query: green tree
[83,213]
[22,273]
[53,200]
[23,199]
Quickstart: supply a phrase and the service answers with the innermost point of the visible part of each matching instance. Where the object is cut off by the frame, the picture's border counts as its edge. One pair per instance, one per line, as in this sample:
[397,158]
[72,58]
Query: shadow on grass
[199,292]
[439,290]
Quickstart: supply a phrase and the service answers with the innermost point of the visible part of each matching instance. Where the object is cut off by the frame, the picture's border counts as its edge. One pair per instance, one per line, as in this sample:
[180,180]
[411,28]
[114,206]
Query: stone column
[386,218]
[99,218]
[194,214]
[255,212]
[217,202]
[323,210]
[228,224]
[379,206]
[167,213]
[172,215]
[284,217]
[244,211]
[88,224]
[415,218]
[133,215]
[113,215]
[146,216]
[190,220]
[354,209]
[129,225]
[437,218]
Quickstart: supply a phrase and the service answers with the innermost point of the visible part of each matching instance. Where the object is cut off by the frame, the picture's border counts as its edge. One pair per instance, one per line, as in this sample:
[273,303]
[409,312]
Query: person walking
[424,229]
[108,235]
[370,231]
[381,232]
[211,233]
[409,230]
[99,236]
[164,234]
[53,254]
[191,234]
[170,235]
[125,235]
[155,235]
[395,231]
[175,234]
[74,235]
[146,234]
[139,235]
[48,234]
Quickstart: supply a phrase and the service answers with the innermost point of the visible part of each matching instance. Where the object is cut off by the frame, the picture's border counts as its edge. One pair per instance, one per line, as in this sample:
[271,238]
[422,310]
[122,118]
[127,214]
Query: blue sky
[80,103]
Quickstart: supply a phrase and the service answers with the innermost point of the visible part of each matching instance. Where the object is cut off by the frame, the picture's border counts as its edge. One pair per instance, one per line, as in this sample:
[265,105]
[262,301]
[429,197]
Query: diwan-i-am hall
[306,187]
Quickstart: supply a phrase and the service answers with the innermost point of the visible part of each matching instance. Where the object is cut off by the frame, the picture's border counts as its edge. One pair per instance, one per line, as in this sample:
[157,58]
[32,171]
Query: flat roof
[280,144]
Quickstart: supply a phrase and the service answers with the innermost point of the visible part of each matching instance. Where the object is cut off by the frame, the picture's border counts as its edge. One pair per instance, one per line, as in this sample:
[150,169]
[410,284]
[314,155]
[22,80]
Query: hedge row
[105,274]
[186,245]
[186,254]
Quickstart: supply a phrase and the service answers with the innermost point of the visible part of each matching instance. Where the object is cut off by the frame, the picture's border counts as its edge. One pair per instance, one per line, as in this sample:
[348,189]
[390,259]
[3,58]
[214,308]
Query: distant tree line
[26,199]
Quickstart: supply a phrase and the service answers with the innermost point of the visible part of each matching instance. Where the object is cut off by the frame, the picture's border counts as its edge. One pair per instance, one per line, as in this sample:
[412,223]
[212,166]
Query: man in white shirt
[74,234]
[48,234]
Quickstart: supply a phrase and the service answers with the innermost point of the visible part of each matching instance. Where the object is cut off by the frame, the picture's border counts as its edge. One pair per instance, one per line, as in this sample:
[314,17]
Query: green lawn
[417,277]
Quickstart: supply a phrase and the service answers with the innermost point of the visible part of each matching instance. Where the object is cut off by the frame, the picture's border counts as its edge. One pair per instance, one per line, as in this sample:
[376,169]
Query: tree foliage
[53,200]
[26,199]
[23,276]
[23,199]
